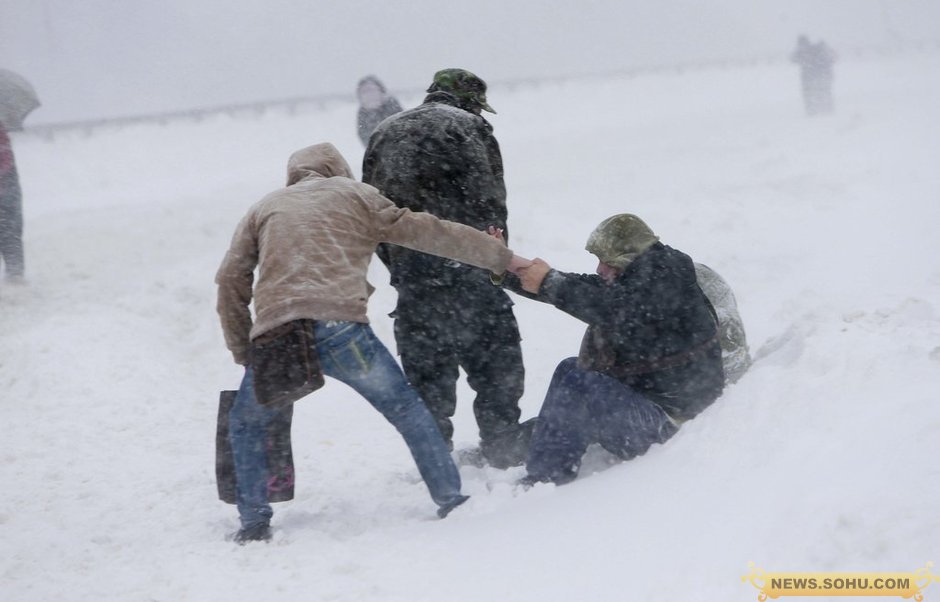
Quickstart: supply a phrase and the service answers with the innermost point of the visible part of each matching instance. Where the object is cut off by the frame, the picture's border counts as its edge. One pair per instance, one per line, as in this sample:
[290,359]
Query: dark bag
[277,445]
[285,363]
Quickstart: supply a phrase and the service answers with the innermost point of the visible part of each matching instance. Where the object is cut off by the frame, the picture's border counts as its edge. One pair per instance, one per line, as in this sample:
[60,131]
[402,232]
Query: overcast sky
[99,58]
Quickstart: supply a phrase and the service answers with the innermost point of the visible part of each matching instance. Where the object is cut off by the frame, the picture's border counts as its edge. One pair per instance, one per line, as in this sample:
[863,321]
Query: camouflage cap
[466,86]
[620,239]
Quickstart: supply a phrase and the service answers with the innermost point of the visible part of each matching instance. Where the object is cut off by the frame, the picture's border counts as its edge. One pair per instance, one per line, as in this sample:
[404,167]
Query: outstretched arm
[426,233]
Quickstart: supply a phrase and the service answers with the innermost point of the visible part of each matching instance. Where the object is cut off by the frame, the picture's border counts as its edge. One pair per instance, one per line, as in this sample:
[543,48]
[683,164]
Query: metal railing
[296,104]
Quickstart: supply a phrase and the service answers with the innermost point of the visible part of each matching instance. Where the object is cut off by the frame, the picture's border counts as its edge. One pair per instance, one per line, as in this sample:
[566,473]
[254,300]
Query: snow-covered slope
[823,457]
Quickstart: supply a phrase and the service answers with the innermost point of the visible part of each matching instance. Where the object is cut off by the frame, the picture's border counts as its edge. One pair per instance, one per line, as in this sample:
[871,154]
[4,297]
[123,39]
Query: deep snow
[822,458]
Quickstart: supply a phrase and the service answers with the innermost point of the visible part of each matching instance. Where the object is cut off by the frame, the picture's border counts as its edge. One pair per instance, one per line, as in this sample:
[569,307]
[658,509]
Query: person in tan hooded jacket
[311,243]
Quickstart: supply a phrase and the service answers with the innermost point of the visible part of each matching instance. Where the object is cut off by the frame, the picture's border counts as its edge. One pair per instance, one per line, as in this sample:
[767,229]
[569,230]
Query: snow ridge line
[321,101]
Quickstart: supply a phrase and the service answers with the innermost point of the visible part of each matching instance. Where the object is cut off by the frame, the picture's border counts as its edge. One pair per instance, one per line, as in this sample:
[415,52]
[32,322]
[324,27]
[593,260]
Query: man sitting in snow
[650,358]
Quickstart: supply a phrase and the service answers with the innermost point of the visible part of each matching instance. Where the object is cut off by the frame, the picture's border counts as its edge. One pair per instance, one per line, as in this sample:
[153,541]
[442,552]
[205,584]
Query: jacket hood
[322,160]
[371,79]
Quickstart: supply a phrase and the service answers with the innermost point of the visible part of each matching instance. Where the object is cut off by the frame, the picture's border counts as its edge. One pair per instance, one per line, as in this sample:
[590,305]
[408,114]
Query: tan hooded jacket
[312,242]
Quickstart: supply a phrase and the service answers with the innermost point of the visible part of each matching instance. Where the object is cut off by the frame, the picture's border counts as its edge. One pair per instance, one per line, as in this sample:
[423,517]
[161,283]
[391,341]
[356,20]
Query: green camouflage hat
[620,239]
[464,85]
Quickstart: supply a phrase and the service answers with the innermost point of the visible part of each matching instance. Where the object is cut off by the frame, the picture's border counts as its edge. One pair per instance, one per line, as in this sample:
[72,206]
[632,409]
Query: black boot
[510,447]
[259,532]
[445,509]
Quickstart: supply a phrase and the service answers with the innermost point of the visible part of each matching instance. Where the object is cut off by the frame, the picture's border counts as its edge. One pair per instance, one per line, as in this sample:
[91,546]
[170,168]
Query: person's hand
[518,263]
[533,275]
[496,233]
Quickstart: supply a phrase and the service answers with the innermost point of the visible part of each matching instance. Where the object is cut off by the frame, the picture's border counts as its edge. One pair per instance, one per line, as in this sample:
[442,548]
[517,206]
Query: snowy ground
[824,457]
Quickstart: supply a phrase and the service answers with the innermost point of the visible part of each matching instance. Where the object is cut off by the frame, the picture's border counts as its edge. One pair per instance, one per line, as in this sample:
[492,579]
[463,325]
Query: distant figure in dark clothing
[816,74]
[442,158]
[375,104]
[11,213]
[649,360]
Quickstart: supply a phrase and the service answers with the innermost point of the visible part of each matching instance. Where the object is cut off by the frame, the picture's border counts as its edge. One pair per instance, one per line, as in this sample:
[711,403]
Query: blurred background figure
[375,104]
[17,100]
[816,75]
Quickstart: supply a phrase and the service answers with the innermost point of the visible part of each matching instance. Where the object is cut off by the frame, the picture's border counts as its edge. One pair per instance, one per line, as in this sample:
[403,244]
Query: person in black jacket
[441,157]
[375,104]
[650,358]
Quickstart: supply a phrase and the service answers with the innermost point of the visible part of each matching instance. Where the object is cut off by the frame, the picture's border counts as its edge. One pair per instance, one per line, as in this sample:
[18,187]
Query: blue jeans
[351,353]
[584,407]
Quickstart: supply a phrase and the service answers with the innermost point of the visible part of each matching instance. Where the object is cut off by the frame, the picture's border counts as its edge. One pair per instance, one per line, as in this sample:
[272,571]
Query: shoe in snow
[445,509]
[259,532]
[509,448]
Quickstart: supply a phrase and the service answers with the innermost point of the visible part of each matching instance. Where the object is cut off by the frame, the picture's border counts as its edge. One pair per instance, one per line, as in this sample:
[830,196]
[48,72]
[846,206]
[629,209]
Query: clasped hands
[531,272]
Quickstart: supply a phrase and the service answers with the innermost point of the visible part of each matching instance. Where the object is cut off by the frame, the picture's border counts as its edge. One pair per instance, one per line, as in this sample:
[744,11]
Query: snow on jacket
[312,242]
[441,159]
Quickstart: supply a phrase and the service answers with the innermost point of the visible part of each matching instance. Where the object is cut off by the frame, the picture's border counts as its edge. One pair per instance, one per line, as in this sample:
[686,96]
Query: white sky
[100,58]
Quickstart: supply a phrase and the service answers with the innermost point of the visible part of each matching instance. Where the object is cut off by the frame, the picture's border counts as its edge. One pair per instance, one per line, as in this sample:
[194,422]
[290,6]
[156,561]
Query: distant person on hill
[11,213]
[311,243]
[375,104]
[650,359]
[816,74]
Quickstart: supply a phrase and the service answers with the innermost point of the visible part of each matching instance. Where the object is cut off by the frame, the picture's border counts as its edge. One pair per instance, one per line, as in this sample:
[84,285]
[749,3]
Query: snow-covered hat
[464,85]
[620,239]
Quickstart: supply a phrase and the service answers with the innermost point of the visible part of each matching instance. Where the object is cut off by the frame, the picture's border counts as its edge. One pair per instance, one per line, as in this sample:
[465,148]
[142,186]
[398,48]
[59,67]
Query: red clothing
[6,153]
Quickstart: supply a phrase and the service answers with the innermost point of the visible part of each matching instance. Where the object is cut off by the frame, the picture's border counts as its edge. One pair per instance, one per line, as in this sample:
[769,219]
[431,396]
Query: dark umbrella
[17,99]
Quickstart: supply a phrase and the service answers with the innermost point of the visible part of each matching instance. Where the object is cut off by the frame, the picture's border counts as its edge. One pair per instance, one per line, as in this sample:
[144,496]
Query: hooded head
[371,80]
[620,239]
[320,159]
[370,91]
[469,89]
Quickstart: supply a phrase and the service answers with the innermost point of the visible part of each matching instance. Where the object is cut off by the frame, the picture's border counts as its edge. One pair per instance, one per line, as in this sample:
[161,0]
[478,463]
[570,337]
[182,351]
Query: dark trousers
[441,330]
[11,226]
[584,407]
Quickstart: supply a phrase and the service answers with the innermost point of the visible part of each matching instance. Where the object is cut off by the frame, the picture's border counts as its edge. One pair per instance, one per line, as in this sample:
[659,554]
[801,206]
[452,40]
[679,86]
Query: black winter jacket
[442,159]
[651,329]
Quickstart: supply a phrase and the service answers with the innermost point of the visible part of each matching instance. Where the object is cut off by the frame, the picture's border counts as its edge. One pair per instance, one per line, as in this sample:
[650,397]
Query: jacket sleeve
[586,297]
[235,279]
[512,282]
[428,234]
